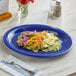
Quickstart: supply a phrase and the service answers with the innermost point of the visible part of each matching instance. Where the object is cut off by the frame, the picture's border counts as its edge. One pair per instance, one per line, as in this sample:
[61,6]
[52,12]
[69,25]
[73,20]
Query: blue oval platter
[10,38]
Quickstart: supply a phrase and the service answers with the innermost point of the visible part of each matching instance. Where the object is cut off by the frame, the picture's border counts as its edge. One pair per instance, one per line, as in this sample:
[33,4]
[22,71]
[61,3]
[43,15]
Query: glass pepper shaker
[57,9]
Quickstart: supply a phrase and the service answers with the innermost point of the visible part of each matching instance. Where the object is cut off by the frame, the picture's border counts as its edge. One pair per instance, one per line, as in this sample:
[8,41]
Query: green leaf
[19,37]
[35,50]
[31,35]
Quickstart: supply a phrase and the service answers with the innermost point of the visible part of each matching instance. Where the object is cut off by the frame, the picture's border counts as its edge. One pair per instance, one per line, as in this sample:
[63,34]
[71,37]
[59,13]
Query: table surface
[38,14]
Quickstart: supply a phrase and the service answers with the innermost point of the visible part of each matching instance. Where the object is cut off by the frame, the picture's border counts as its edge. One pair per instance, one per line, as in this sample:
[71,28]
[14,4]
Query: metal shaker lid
[58,0]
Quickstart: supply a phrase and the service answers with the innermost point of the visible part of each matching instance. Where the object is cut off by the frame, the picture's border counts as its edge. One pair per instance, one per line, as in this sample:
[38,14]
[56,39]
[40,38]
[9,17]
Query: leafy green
[35,50]
[19,37]
[31,35]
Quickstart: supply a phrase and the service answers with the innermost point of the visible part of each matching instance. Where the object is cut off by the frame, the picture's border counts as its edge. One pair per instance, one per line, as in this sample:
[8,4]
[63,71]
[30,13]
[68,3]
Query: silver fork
[18,66]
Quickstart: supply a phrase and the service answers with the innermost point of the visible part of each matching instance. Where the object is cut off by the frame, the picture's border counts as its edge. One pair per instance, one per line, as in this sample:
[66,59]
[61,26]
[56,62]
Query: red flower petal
[24,2]
[31,1]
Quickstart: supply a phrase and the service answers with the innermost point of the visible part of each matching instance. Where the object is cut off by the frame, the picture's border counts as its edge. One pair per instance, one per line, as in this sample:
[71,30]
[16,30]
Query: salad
[36,41]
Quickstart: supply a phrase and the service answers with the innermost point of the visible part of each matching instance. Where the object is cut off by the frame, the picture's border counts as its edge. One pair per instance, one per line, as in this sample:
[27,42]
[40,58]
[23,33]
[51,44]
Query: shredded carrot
[37,40]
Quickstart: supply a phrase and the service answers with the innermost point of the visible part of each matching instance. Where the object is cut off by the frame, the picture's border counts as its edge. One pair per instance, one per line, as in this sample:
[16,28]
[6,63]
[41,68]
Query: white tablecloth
[57,66]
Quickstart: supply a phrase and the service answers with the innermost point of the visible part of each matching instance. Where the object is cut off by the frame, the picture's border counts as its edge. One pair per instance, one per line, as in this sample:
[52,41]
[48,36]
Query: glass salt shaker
[51,9]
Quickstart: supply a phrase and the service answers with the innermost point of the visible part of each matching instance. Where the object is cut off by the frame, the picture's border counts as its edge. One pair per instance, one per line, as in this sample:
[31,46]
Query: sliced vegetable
[36,41]
[31,35]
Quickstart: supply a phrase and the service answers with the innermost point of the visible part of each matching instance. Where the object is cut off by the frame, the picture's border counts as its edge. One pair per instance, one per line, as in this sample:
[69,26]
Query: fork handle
[20,67]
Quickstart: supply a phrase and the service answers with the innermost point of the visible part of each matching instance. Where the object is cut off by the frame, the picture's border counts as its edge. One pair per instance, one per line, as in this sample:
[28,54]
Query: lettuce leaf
[31,35]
